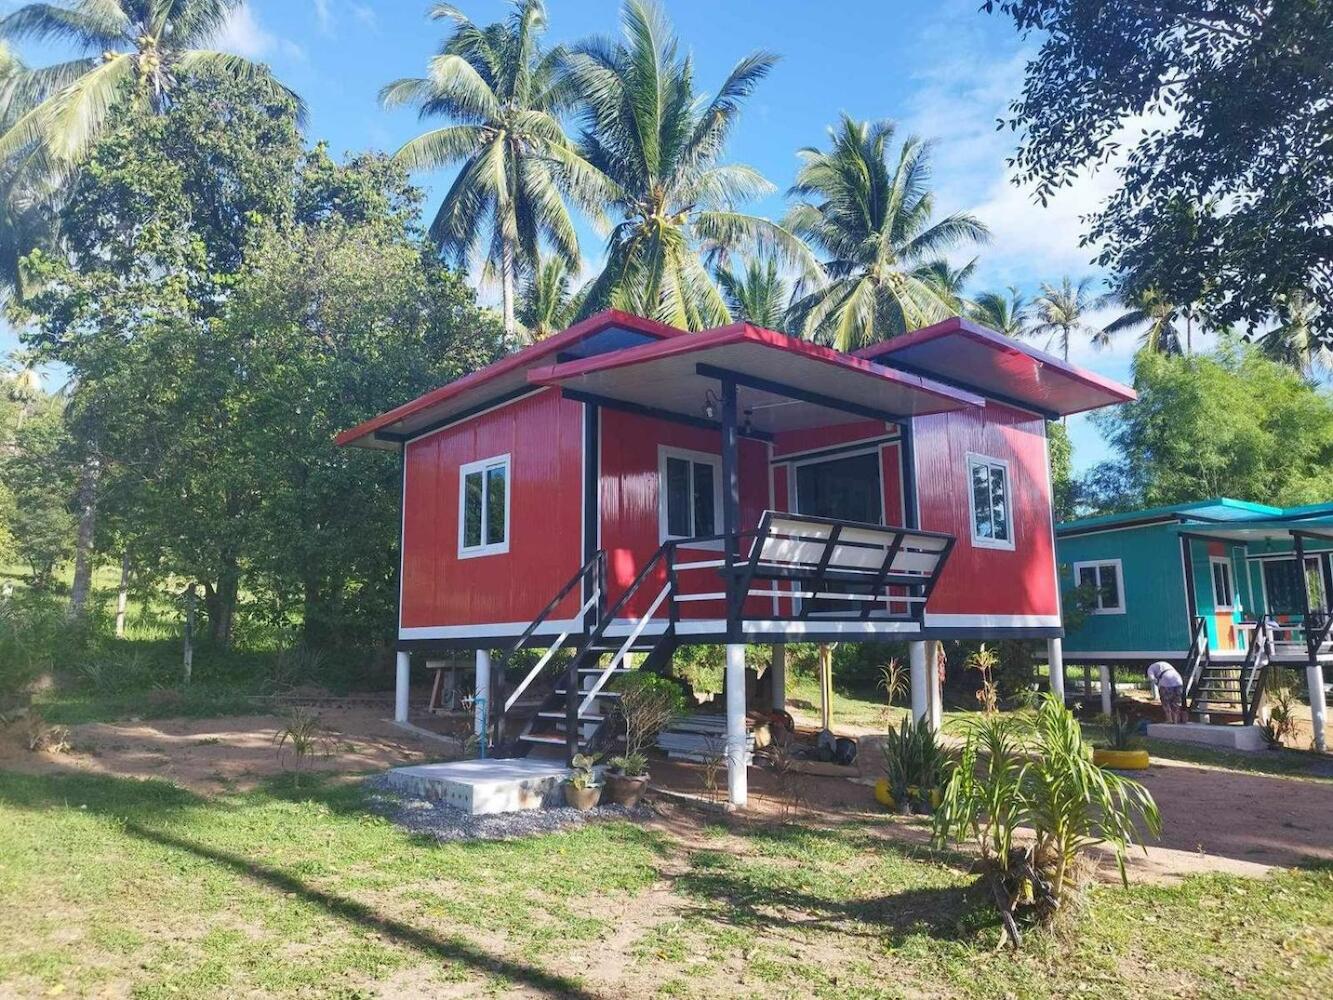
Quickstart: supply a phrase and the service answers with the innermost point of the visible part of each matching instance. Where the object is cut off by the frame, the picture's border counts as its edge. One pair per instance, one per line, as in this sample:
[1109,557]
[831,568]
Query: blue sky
[941,69]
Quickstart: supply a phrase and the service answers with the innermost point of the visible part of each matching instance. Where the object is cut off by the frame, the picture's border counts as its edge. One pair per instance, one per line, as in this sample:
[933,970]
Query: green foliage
[701,667]
[1064,487]
[1040,775]
[1233,423]
[302,737]
[659,144]
[894,680]
[869,213]
[584,775]
[631,765]
[1122,732]
[1238,93]
[984,661]
[37,476]
[914,764]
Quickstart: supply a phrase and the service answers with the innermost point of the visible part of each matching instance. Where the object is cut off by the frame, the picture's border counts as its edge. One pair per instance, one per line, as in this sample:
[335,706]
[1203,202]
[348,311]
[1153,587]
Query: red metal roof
[664,376]
[498,377]
[965,354]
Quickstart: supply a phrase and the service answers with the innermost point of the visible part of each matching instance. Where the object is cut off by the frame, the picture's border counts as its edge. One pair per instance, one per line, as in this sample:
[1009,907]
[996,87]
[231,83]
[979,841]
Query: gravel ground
[445,823]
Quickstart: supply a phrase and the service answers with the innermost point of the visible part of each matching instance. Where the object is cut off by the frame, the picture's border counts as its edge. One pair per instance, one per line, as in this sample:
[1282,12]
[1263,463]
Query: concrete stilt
[400,687]
[481,704]
[1314,679]
[934,698]
[1108,690]
[916,656]
[779,675]
[737,779]
[1055,662]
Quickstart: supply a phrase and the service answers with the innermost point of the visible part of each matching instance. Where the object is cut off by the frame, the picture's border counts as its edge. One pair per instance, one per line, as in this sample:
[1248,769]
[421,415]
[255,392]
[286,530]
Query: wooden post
[188,655]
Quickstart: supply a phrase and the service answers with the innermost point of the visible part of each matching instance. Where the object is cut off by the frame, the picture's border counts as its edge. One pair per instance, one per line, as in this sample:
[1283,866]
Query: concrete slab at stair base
[484,787]
[1248,738]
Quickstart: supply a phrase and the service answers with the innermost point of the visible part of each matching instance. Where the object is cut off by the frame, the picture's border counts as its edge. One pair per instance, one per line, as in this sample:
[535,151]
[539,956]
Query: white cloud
[243,35]
[324,14]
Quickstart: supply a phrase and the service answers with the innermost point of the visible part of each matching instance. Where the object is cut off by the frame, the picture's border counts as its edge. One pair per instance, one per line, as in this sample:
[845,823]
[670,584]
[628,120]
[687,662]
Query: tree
[138,53]
[1062,311]
[504,97]
[1064,487]
[660,146]
[1226,193]
[1157,318]
[1009,314]
[1232,423]
[39,476]
[873,223]
[546,304]
[758,294]
[1294,341]
[949,283]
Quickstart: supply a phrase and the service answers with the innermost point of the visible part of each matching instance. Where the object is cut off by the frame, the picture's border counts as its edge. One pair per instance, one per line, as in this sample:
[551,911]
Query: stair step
[561,717]
[600,694]
[544,738]
[602,670]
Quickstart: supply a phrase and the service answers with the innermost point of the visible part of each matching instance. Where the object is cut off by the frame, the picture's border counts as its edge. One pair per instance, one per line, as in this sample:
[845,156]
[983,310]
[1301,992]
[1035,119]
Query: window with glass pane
[1102,581]
[690,494]
[991,520]
[1222,585]
[485,506]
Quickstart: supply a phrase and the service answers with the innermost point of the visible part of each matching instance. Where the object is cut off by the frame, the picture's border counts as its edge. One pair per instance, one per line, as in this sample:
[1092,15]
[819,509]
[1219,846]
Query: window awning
[972,357]
[784,383]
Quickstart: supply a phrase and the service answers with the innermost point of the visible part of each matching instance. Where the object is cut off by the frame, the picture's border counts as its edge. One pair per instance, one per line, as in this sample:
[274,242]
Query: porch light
[711,403]
[749,421]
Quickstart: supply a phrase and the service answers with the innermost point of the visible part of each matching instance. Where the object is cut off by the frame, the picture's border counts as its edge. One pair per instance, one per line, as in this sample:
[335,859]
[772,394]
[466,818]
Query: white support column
[934,695]
[1314,679]
[481,703]
[916,657]
[737,779]
[1108,691]
[400,686]
[1055,664]
[779,675]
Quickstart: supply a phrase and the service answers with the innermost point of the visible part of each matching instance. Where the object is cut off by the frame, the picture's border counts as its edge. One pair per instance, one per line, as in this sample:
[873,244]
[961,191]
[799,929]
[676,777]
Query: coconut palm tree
[1293,341]
[757,294]
[659,145]
[503,96]
[1009,314]
[948,283]
[1062,312]
[872,221]
[1150,312]
[546,304]
[137,51]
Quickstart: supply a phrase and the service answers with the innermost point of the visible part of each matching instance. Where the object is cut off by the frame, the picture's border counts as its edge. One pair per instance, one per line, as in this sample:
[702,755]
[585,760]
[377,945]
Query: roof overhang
[783,383]
[963,354]
[609,331]
[1283,530]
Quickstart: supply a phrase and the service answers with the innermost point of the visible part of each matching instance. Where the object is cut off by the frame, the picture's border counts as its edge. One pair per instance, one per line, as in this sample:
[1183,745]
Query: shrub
[893,680]
[647,704]
[1280,726]
[913,764]
[584,775]
[1040,776]
[631,765]
[984,661]
[302,738]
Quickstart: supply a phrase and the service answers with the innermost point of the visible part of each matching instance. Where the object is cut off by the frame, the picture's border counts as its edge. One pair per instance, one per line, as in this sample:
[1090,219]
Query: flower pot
[882,794]
[583,799]
[624,790]
[1121,760]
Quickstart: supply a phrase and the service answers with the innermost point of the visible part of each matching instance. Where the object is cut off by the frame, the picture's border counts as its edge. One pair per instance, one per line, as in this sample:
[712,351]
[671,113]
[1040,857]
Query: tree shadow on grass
[143,806]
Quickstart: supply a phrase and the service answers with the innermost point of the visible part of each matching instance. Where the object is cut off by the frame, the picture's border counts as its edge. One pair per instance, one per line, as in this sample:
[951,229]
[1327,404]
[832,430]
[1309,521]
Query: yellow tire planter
[885,798]
[1121,760]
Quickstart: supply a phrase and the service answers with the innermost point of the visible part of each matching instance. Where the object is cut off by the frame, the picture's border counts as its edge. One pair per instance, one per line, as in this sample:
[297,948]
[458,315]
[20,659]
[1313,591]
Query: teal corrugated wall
[1155,618]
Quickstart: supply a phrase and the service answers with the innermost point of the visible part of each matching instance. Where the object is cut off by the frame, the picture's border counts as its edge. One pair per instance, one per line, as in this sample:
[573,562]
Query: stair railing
[590,576]
[1196,662]
[1253,673]
[1317,627]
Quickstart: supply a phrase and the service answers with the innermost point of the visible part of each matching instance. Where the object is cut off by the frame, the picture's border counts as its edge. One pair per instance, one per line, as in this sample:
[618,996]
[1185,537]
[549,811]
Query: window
[1282,585]
[483,507]
[1223,595]
[1107,583]
[691,493]
[992,517]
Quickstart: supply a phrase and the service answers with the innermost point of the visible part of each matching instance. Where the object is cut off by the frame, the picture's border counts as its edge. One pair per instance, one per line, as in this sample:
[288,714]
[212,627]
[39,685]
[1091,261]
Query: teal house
[1138,586]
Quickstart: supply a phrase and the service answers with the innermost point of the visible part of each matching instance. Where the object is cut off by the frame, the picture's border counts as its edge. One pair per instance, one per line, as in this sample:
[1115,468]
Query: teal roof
[1215,509]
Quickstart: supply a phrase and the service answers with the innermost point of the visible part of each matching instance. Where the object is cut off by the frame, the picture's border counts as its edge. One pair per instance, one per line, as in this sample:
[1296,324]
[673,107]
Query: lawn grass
[121,886]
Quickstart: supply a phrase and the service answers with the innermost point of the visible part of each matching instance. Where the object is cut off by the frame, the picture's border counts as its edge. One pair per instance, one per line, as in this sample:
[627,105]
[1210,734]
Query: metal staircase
[1229,688]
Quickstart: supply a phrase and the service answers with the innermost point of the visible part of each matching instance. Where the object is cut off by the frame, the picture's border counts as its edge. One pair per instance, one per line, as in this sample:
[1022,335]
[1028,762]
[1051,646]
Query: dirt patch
[215,755]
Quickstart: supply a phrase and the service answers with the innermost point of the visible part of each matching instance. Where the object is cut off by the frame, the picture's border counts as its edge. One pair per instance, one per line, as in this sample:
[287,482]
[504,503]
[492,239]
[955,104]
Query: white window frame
[1119,583]
[483,466]
[704,458]
[973,458]
[1231,581]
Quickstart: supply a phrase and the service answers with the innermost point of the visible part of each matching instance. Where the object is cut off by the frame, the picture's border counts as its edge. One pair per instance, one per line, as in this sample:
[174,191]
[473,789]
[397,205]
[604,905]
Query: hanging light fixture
[711,404]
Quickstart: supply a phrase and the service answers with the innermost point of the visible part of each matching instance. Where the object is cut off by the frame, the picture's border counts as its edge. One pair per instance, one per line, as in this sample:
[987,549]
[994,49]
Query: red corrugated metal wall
[629,503]
[982,580]
[543,435]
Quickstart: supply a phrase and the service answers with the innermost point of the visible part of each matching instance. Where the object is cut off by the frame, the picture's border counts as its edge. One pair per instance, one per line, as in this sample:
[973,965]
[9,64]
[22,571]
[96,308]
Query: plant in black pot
[583,791]
[648,703]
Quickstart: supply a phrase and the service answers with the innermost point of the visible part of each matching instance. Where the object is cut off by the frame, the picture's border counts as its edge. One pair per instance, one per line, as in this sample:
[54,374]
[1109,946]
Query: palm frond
[94,25]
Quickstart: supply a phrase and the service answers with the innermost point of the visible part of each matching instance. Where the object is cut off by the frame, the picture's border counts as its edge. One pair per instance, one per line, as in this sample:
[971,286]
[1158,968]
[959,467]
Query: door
[847,489]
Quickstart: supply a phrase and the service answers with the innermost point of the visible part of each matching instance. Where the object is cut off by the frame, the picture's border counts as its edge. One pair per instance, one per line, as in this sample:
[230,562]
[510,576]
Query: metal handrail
[1256,660]
[1197,661]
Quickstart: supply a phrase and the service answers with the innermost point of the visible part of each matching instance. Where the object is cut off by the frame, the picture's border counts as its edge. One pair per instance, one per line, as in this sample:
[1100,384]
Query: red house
[625,487]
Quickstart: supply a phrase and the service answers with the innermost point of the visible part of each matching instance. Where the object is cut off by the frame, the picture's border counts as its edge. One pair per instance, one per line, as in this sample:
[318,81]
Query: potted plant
[583,791]
[1122,754]
[648,703]
[628,779]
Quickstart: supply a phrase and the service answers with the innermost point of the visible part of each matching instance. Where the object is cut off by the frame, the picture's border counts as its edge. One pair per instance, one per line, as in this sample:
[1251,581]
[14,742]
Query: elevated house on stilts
[625,488]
